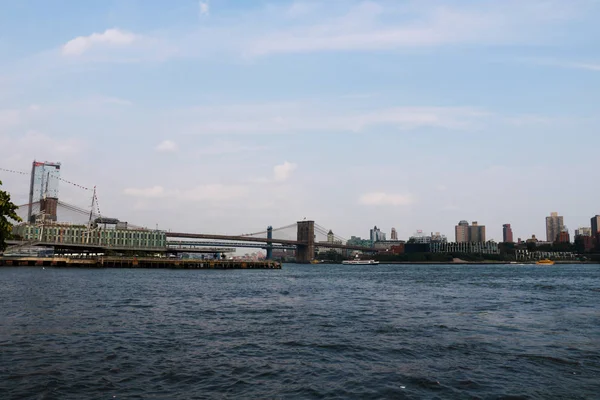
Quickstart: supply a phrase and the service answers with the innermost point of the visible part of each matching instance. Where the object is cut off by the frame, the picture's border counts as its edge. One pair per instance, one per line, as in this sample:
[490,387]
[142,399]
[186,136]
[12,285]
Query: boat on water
[358,261]
[545,262]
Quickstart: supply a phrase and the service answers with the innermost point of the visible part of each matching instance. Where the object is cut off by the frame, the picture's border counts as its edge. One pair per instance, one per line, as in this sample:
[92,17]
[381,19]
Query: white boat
[360,262]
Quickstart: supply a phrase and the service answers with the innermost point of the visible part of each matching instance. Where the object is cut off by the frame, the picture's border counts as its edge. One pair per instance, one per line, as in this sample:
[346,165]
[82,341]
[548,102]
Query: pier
[135,262]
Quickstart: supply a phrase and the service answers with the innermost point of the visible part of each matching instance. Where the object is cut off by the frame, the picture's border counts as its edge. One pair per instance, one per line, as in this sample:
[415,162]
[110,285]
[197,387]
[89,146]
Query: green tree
[8,212]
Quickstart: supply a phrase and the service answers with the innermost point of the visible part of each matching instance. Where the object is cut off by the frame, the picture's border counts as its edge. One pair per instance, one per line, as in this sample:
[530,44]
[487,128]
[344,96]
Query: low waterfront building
[526,255]
[585,243]
[357,241]
[387,244]
[490,247]
[83,235]
[411,248]
[420,237]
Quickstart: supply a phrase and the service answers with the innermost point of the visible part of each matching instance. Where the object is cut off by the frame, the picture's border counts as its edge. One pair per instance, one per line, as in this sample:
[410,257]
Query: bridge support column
[269,243]
[305,252]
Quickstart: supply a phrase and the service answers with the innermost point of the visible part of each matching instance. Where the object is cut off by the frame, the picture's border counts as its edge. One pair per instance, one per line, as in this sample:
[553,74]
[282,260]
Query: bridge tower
[305,252]
[269,243]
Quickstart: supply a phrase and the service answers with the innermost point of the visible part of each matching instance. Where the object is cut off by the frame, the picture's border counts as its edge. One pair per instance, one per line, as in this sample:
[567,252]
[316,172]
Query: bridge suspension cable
[274,230]
[51,174]
[324,231]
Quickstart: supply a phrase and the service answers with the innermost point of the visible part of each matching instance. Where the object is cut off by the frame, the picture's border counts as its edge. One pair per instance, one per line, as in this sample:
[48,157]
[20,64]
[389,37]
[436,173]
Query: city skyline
[350,113]
[554,222]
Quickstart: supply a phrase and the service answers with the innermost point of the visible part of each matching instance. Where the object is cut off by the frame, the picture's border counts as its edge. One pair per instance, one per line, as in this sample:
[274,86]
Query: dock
[135,262]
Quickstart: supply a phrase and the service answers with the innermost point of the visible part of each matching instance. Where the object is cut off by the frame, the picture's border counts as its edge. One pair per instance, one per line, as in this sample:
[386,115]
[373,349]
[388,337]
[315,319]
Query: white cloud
[204,7]
[586,66]
[424,24]
[110,37]
[317,117]
[590,66]
[167,146]
[284,171]
[386,199]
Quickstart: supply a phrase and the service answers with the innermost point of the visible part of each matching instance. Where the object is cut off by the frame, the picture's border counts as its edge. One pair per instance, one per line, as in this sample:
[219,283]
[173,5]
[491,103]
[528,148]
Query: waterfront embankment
[135,262]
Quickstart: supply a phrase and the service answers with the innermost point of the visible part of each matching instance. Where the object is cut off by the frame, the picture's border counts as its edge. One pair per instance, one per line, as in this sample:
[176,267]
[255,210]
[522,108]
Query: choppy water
[302,332]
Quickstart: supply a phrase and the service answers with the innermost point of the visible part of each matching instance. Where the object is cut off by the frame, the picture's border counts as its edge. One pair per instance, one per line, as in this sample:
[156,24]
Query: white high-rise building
[583,231]
[377,235]
[554,226]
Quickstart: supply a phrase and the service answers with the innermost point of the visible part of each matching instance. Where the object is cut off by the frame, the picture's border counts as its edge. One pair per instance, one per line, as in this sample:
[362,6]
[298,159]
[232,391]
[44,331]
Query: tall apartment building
[554,226]
[461,232]
[476,233]
[507,234]
[595,226]
[394,234]
[473,233]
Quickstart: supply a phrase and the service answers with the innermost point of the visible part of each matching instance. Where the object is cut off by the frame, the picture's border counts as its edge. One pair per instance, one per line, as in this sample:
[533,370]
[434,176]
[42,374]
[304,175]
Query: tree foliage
[330,255]
[8,214]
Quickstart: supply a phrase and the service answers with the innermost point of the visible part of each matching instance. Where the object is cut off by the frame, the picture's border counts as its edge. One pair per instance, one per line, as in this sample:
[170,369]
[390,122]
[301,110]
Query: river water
[325,331]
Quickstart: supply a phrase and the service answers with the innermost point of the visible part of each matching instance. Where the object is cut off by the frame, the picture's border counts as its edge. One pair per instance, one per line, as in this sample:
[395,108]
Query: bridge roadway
[180,235]
[175,248]
[178,243]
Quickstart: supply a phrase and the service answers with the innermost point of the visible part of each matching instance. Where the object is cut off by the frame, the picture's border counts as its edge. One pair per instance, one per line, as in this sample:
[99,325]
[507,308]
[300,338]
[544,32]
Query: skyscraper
[462,232]
[595,226]
[44,188]
[507,234]
[554,225]
[394,234]
[377,235]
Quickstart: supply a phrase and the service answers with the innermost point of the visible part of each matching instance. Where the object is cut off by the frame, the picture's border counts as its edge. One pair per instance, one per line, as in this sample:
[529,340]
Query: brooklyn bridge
[52,223]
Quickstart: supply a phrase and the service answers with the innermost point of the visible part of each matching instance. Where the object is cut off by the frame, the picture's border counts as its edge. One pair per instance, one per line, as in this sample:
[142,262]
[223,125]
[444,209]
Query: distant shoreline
[471,262]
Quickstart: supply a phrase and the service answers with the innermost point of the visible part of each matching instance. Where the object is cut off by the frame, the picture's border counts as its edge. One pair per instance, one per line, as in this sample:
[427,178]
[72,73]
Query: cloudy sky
[226,116]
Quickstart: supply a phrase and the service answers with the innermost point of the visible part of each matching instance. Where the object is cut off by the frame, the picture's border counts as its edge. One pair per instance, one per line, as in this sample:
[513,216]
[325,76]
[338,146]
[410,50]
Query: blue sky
[227,116]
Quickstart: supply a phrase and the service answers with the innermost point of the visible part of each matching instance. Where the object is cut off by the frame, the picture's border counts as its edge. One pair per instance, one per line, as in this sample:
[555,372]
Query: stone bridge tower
[305,252]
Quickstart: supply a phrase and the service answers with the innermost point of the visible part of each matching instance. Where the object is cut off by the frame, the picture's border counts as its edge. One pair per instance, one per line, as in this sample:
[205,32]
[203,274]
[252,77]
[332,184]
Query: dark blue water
[322,331]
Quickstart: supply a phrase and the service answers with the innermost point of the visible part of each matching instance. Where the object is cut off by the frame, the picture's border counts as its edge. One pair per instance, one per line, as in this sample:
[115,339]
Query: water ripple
[306,332]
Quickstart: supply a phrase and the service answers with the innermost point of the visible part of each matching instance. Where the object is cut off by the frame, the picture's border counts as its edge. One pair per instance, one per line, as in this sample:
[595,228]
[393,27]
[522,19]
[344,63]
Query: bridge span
[304,245]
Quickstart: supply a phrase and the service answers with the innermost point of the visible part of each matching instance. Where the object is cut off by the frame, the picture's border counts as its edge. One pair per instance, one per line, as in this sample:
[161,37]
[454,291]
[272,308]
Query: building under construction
[43,189]
[43,226]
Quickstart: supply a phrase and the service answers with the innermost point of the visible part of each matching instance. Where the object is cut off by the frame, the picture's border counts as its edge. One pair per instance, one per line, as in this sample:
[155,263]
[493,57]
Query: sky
[226,116]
